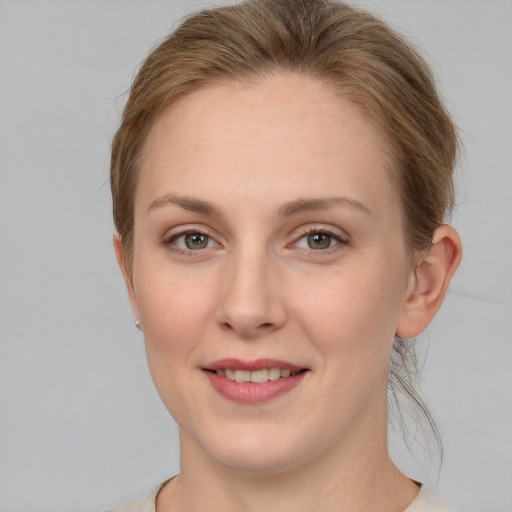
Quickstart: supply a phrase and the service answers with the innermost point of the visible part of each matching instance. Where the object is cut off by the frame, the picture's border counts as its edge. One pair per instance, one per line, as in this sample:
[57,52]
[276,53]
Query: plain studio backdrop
[81,427]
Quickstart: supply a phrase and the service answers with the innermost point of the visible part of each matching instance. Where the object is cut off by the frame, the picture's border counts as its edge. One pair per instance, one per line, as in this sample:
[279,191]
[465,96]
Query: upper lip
[257,364]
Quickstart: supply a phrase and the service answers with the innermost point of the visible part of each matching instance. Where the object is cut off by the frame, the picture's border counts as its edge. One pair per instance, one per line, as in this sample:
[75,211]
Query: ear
[429,281]
[127,273]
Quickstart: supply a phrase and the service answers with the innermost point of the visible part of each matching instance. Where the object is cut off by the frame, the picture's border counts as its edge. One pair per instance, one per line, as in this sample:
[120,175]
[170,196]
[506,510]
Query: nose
[251,304]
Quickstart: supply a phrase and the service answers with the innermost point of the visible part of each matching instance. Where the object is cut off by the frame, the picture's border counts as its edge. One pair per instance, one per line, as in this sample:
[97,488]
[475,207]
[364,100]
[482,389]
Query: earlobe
[429,281]
[126,272]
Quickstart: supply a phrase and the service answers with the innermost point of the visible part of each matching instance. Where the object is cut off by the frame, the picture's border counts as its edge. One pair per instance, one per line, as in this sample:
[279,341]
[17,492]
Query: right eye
[191,241]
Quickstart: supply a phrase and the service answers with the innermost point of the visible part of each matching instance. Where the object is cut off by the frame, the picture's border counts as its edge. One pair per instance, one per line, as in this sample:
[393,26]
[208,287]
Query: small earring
[137,324]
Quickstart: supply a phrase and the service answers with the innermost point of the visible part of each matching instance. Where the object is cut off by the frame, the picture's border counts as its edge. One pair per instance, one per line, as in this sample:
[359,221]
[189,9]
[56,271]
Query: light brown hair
[355,53]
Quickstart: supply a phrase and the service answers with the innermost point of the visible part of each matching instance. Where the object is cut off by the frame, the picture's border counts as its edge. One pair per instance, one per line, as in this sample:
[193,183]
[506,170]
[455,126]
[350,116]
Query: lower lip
[252,392]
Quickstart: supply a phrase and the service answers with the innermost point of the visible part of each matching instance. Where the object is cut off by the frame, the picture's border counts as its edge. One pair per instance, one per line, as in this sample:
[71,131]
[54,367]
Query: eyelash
[169,241]
[340,240]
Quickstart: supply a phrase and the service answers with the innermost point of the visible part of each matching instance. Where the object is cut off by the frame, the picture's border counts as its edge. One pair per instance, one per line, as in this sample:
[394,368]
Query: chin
[256,453]
[258,464]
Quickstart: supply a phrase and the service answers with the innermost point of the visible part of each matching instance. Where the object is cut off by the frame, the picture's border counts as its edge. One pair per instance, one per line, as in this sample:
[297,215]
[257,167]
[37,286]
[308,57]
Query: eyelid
[340,236]
[174,234]
[337,234]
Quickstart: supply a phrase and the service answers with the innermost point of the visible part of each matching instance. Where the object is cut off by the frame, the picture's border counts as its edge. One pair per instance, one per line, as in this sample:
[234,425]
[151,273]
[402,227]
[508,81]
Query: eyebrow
[318,204]
[288,209]
[186,202]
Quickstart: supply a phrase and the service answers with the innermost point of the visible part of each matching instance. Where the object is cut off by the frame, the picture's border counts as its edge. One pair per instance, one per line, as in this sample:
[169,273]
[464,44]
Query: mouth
[256,376]
[253,381]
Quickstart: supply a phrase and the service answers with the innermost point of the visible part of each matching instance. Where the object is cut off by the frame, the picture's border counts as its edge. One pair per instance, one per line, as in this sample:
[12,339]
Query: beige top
[424,502]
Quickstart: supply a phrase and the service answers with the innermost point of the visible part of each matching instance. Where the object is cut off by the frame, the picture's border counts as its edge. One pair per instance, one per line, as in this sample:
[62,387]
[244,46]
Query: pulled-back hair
[357,55]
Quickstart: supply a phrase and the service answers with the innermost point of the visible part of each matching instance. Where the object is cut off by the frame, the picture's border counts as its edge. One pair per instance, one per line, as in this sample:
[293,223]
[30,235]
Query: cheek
[175,314]
[176,308]
[351,315]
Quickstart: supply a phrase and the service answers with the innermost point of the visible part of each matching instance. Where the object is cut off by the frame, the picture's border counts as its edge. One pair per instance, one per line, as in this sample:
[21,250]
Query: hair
[357,55]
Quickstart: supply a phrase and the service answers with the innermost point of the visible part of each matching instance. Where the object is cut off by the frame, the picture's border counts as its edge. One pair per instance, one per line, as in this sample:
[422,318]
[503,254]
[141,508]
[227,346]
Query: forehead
[286,128]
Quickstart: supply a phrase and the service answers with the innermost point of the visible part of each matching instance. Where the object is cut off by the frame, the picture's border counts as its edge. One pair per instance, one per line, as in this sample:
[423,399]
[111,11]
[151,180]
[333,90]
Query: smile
[253,381]
[259,376]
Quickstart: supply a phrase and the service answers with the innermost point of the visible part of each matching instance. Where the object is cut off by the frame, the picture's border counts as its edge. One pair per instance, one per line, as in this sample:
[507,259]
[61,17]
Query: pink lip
[251,392]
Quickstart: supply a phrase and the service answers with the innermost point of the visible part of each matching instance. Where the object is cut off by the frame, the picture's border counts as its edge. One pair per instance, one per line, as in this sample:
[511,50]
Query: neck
[353,478]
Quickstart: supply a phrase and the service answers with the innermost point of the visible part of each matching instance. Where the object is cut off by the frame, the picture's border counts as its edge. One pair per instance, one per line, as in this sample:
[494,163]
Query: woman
[280,181]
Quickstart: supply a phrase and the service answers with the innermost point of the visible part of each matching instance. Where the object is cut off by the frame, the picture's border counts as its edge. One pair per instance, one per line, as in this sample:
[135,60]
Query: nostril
[251,316]
[226,325]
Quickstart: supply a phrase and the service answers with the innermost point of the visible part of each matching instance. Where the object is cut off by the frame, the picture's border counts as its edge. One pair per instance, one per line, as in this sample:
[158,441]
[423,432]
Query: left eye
[193,241]
[318,241]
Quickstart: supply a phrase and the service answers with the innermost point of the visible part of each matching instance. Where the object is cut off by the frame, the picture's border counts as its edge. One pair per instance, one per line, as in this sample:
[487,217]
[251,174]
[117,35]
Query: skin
[268,158]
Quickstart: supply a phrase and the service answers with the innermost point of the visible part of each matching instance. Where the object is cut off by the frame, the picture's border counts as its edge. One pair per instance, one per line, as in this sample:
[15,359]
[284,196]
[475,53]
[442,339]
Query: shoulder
[144,504]
[129,506]
[426,501]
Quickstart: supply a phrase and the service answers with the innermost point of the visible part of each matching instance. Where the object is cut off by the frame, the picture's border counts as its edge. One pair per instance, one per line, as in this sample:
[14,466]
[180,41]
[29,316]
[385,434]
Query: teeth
[259,376]
[256,375]
[242,375]
[274,374]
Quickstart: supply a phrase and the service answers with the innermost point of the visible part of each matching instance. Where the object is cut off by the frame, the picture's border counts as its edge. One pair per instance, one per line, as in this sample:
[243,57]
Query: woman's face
[268,242]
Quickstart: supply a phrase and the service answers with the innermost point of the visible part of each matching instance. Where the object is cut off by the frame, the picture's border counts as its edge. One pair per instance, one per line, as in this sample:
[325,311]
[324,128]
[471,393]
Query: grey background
[81,427]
